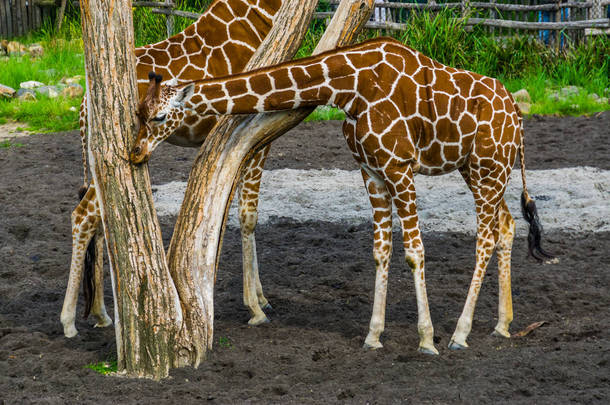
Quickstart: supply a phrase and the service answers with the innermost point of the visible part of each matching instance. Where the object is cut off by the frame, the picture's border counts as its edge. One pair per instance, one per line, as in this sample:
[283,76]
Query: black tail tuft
[88,283]
[528,208]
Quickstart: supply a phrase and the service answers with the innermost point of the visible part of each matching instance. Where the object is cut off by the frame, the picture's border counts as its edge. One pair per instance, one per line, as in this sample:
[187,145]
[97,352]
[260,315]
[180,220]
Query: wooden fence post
[169,19]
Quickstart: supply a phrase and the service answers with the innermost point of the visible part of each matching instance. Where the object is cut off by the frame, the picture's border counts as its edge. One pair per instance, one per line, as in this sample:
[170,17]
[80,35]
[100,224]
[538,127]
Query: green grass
[225,342]
[44,114]
[62,58]
[150,28]
[103,367]
[8,144]
[324,113]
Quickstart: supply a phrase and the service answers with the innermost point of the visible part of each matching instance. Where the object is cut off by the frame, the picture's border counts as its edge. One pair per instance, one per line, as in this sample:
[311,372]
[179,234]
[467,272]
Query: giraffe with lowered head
[406,114]
[219,43]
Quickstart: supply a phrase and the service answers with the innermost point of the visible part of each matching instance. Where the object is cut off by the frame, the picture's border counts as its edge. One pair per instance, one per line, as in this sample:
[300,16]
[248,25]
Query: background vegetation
[518,61]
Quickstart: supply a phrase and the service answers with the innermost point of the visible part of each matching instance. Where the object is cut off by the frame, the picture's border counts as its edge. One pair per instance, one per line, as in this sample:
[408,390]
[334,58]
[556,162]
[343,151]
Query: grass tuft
[225,342]
[103,367]
[8,144]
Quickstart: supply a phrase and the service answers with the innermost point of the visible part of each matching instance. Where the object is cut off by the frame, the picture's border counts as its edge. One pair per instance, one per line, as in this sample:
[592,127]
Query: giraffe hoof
[267,306]
[457,346]
[428,350]
[70,331]
[103,322]
[258,320]
[498,333]
[372,346]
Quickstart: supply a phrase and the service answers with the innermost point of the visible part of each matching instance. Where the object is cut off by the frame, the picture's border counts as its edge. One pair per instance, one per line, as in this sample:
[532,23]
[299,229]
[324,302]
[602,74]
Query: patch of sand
[570,199]
[13,130]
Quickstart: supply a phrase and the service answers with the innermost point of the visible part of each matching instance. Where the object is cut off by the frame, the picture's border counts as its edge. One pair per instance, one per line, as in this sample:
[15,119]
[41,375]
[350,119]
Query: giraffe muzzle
[138,155]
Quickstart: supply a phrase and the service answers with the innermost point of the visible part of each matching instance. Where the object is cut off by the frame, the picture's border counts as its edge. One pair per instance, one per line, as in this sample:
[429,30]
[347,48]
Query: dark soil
[319,278]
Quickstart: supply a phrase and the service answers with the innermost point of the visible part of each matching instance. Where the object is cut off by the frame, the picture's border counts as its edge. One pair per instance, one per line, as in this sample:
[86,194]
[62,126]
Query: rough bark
[147,310]
[196,242]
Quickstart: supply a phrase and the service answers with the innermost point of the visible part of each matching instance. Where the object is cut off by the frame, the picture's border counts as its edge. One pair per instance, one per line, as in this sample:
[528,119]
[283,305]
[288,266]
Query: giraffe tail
[528,208]
[88,284]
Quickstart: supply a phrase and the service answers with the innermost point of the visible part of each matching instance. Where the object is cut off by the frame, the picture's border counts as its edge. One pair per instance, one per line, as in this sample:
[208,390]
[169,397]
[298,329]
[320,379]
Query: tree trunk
[147,310]
[196,242]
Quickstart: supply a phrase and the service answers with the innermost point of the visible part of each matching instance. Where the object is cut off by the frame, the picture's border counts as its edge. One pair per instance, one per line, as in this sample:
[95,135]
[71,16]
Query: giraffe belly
[437,170]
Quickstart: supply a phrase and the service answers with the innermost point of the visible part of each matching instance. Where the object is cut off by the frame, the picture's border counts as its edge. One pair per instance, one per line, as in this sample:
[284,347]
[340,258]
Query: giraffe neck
[326,79]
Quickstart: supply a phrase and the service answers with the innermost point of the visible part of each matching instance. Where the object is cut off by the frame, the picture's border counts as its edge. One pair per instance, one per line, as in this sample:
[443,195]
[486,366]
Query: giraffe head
[159,114]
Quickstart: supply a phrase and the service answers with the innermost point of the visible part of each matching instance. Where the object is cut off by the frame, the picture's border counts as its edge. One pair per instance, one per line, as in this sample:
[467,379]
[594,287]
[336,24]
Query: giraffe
[220,42]
[405,114]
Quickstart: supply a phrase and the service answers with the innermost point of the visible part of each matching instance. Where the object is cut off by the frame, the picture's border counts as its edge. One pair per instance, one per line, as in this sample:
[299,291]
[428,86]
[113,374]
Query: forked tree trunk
[162,320]
[196,242]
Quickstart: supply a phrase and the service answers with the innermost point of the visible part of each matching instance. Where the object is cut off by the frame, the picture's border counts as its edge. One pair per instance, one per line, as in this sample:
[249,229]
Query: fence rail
[17,17]
[564,20]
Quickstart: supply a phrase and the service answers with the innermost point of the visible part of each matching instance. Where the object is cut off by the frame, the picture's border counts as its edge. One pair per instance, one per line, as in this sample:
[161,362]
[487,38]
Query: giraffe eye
[159,118]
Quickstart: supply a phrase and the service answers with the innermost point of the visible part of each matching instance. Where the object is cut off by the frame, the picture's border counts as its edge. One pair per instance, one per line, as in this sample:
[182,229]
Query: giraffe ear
[183,95]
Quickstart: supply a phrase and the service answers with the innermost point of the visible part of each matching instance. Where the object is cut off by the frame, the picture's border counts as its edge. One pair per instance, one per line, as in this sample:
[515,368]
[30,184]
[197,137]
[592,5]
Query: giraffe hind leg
[249,187]
[84,224]
[98,309]
[506,226]
[487,197]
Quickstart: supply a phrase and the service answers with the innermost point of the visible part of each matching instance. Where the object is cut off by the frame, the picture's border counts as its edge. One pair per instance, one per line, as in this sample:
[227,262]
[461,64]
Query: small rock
[570,91]
[35,50]
[7,251]
[32,84]
[15,48]
[594,97]
[6,92]
[525,107]
[522,95]
[73,80]
[26,95]
[73,90]
[50,91]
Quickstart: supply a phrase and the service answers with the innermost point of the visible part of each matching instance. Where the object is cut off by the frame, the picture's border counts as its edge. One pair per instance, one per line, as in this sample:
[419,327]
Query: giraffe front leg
[84,223]
[506,226]
[403,194]
[249,188]
[382,252]
[98,309]
[486,241]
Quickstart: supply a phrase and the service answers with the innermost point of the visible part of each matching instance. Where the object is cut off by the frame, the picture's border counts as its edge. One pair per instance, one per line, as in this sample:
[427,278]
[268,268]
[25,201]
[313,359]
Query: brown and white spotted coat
[406,114]
[220,42]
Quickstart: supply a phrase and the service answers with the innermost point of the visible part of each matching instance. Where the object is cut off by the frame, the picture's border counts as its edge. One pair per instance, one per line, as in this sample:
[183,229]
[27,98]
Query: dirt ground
[319,277]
